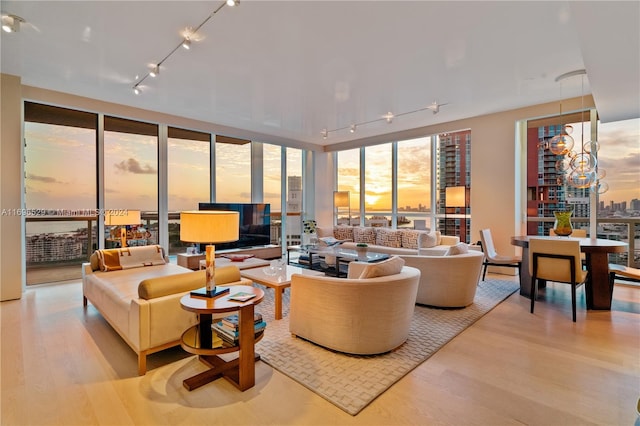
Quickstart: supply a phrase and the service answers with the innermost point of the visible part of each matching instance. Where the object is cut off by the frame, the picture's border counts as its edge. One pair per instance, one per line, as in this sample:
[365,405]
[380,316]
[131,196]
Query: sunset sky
[61,171]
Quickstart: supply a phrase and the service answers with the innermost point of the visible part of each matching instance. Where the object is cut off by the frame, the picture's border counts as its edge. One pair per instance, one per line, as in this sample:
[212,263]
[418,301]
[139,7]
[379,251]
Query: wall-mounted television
[255,223]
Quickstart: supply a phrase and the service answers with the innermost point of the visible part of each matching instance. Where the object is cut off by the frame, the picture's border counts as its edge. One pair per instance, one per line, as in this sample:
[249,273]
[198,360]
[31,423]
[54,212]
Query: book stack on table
[227,328]
[303,259]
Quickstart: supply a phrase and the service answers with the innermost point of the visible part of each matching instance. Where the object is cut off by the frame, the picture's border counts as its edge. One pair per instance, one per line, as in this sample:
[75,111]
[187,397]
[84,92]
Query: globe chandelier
[577,169]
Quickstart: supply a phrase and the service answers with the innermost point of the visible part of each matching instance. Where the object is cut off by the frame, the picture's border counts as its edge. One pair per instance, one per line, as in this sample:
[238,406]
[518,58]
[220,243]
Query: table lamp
[341,199]
[209,227]
[122,218]
[455,196]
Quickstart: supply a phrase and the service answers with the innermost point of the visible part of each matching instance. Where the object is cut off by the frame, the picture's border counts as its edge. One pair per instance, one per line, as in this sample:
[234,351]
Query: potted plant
[361,249]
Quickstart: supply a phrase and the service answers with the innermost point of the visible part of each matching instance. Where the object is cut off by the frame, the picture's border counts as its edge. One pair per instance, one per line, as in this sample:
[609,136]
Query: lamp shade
[122,217]
[455,196]
[341,198]
[206,226]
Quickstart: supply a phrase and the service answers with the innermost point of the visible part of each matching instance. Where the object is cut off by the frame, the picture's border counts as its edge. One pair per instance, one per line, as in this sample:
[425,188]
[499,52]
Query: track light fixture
[11,23]
[388,117]
[184,43]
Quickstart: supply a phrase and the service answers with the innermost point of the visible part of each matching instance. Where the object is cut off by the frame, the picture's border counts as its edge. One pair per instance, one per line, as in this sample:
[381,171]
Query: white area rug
[351,382]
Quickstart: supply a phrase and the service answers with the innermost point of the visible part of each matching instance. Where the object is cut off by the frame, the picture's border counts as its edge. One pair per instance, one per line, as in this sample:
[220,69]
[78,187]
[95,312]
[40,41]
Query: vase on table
[362,252]
[562,226]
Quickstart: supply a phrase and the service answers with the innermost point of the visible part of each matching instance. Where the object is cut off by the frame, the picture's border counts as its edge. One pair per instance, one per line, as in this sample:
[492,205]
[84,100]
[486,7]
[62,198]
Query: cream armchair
[447,281]
[358,316]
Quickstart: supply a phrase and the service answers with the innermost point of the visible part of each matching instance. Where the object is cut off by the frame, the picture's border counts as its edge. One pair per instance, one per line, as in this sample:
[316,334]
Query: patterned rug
[351,382]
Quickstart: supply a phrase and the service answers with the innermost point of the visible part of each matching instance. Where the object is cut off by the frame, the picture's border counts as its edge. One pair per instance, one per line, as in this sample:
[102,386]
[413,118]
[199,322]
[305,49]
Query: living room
[491,185]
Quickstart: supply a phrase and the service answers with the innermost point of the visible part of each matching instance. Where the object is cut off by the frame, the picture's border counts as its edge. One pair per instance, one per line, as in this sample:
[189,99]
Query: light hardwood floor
[62,365]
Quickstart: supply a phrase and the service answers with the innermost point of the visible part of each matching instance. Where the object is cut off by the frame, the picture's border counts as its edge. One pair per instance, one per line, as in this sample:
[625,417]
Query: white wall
[11,252]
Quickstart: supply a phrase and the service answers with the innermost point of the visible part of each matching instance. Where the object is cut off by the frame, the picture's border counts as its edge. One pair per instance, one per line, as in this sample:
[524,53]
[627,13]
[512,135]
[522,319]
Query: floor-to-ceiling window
[294,196]
[60,191]
[619,186]
[272,187]
[233,170]
[188,170]
[454,173]
[348,171]
[378,185]
[414,183]
[131,178]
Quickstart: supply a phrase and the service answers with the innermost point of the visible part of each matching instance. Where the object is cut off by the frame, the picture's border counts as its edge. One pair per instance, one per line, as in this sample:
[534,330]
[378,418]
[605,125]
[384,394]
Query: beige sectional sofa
[138,292]
[387,240]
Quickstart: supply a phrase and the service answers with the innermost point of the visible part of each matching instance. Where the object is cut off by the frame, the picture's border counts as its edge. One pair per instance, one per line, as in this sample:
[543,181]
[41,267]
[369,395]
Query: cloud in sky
[133,166]
[45,179]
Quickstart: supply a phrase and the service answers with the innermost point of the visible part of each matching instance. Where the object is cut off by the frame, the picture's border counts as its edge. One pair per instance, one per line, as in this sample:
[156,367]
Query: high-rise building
[454,169]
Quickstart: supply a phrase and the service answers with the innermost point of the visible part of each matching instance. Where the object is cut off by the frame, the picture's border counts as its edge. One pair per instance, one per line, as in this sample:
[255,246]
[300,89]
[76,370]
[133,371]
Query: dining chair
[625,273]
[576,233]
[557,261]
[492,258]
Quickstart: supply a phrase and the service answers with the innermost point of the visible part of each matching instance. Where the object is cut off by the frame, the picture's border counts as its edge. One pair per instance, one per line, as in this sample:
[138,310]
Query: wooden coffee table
[277,282]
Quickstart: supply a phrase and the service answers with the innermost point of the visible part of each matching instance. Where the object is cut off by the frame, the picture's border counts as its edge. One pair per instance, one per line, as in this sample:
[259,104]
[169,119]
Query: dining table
[598,289]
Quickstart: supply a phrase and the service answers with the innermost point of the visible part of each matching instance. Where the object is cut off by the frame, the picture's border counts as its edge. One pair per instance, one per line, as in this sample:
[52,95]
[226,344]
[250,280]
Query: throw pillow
[363,234]
[390,266]
[389,237]
[410,238]
[130,257]
[460,248]
[344,233]
[428,240]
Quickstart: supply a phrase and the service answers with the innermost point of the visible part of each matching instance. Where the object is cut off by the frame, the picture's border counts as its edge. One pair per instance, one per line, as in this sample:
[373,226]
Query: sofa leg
[84,301]
[142,363]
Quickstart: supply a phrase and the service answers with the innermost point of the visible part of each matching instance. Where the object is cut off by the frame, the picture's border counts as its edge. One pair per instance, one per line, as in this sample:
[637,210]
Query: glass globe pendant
[583,161]
[561,144]
[591,147]
[581,178]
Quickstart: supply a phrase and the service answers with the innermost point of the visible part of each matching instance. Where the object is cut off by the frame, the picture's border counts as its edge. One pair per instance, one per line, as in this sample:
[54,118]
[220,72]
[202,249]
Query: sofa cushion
[171,284]
[130,257]
[390,266]
[363,234]
[410,238]
[343,233]
[429,239]
[389,237]
[459,248]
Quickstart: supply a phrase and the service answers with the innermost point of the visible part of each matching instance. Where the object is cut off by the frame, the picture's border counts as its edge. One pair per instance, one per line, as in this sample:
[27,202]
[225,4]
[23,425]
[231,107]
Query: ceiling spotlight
[352,129]
[11,23]
[154,71]
[136,90]
[232,2]
[324,133]
[389,117]
[186,43]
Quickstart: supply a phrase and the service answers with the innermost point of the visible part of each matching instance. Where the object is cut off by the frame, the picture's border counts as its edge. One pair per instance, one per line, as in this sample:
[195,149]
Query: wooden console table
[198,339]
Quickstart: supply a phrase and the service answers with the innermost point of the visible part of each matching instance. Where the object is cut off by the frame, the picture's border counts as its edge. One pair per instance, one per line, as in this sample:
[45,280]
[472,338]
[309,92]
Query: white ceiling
[284,71]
